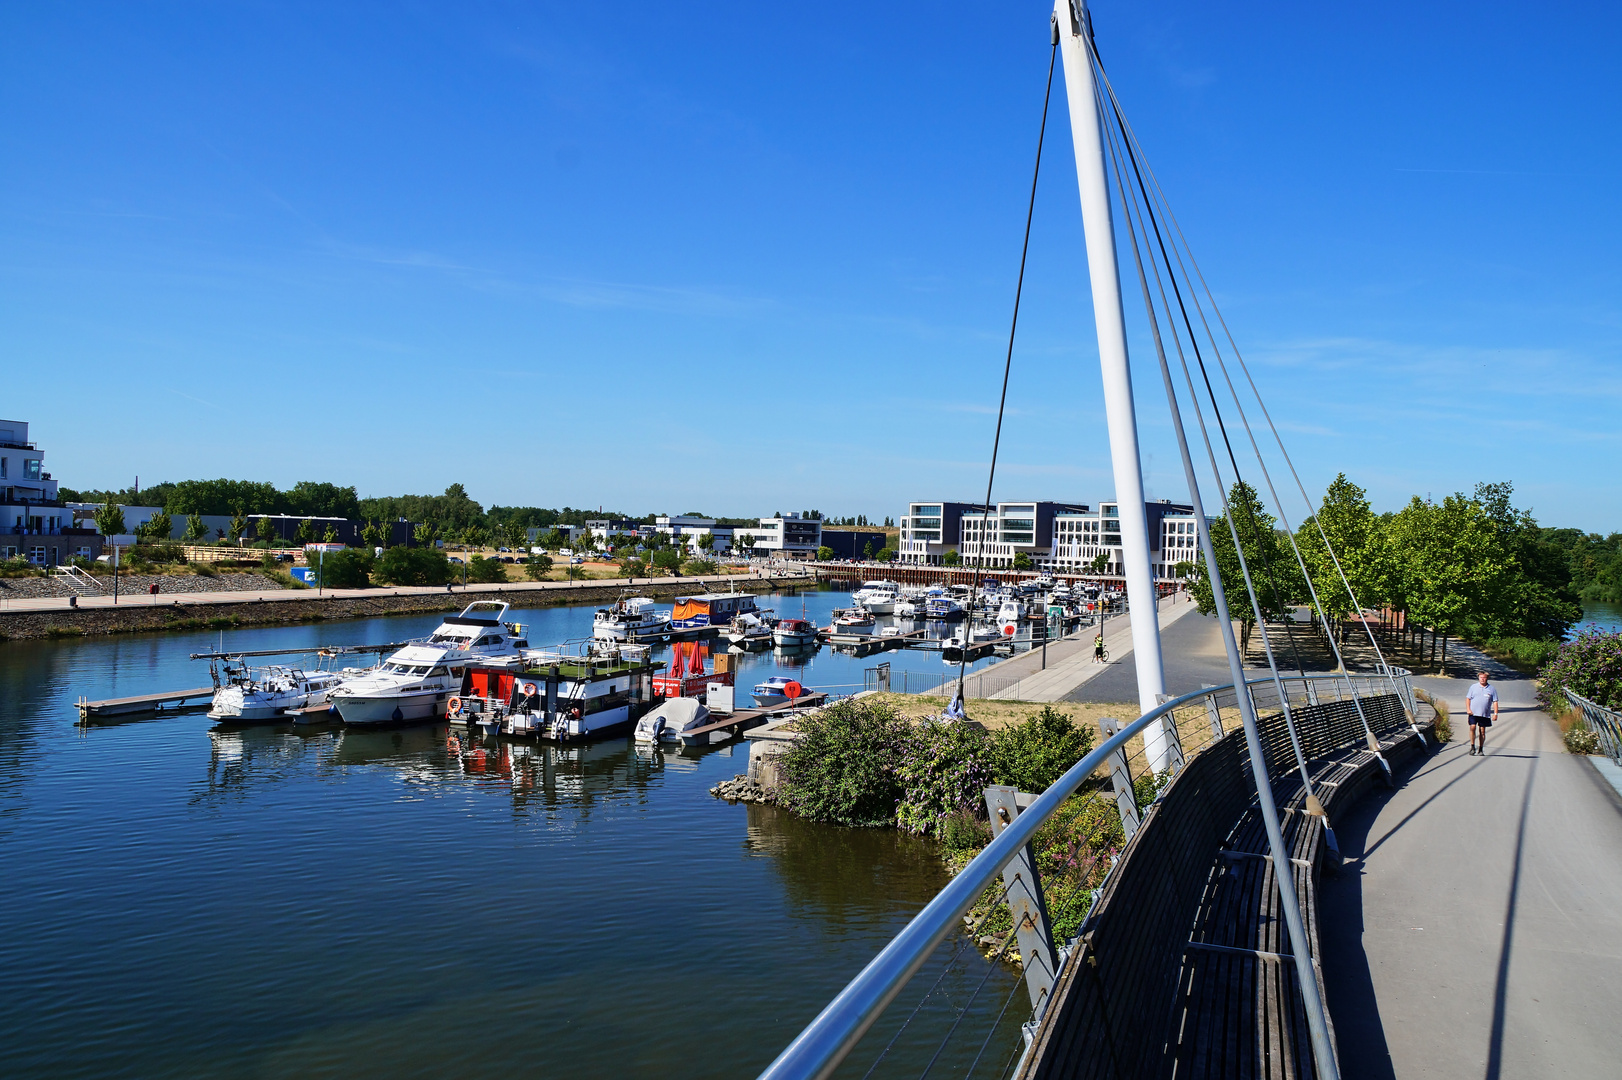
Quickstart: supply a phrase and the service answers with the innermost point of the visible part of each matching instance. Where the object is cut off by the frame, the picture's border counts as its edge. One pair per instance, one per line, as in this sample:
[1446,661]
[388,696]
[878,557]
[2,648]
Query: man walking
[1481,702]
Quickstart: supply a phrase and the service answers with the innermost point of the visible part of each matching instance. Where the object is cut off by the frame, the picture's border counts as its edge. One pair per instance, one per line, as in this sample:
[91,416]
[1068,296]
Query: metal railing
[824,1043]
[1604,723]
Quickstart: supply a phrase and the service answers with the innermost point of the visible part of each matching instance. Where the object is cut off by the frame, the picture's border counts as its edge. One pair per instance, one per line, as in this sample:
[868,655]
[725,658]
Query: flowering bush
[843,768]
[1591,667]
[945,770]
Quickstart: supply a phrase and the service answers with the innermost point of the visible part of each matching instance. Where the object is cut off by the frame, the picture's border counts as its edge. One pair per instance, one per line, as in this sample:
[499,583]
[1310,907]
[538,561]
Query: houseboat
[558,694]
[632,619]
[710,609]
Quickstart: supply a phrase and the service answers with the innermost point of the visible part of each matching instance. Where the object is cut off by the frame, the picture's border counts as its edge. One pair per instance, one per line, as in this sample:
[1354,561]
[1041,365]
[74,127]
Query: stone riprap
[49,588]
[741,789]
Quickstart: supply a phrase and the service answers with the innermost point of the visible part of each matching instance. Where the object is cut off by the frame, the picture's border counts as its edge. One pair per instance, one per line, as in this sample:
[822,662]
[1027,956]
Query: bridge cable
[1008,363]
[1323,1051]
[1130,140]
[1382,665]
[1129,203]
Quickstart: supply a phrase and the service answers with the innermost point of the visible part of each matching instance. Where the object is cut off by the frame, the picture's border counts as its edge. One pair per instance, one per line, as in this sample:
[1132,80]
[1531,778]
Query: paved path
[519,587]
[1070,661]
[1476,930]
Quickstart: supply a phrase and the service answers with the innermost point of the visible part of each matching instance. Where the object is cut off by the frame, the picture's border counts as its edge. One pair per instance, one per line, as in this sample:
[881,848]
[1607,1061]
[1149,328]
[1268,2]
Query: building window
[36,556]
[31,468]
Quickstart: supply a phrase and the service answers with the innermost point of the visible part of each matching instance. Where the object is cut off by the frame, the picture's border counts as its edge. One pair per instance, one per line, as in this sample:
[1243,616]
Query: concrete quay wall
[140,615]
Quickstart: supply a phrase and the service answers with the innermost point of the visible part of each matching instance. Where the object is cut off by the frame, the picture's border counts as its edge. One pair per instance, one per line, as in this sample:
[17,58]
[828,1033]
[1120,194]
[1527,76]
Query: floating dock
[144,703]
[742,720]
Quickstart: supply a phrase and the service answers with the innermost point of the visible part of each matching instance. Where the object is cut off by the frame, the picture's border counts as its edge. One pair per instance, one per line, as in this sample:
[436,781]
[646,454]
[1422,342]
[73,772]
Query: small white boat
[672,720]
[938,605]
[1008,617]
[776,691]
[857,618]
[269,693]
[630,619]
[749,630]
[793,633]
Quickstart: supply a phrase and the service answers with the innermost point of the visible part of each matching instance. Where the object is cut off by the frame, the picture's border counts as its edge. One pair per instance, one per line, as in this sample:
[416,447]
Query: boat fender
[453,707]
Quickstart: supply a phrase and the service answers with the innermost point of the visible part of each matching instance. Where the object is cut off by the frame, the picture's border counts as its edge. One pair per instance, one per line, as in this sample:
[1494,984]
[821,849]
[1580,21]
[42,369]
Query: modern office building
[789,536]
[1057,537]
[34,523]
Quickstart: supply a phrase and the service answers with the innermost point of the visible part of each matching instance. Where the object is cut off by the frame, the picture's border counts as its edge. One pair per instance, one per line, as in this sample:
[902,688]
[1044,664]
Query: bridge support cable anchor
[1026,904]
[1317,1018]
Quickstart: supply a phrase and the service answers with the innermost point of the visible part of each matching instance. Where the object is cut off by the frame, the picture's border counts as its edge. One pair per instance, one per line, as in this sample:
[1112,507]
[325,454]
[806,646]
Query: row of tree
[1471,566]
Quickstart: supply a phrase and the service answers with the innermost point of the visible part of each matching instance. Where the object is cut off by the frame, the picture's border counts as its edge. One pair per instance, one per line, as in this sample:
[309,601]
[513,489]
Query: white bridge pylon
[1119,411]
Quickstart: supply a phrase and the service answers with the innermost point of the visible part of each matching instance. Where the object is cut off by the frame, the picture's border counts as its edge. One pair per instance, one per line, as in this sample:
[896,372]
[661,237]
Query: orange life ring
[453,707]
[529,689]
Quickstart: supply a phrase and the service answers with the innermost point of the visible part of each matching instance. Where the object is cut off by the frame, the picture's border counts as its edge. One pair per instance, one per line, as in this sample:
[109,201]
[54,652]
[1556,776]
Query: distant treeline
[1469,566]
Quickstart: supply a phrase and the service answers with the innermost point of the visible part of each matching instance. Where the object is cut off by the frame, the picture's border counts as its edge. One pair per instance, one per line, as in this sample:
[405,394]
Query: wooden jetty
[742,720]
[144,703]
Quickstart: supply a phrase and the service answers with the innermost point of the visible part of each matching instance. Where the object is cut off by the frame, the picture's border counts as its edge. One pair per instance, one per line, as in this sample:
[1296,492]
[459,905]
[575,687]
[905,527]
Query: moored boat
[792,633]
[776,690]
[631,618]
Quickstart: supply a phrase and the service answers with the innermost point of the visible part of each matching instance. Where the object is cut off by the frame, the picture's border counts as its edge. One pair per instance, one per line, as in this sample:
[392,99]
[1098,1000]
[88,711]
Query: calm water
[1606,617]
[184,900]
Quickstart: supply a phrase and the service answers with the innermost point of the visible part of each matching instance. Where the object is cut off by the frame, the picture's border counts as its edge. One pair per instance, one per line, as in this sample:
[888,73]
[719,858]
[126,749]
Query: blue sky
[746,258]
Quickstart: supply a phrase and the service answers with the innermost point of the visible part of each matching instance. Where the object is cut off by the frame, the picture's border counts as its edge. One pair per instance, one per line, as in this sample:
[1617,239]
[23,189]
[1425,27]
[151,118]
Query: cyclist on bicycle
[1098,648]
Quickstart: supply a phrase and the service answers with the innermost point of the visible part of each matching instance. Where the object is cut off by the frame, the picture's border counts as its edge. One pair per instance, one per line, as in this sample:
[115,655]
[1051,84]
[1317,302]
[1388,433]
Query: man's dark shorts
[1484,721]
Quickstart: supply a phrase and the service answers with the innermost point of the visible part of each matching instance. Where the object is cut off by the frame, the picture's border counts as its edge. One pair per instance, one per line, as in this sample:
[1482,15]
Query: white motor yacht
[630,619]
[414,683]
[269,693]
[938,605]
[878,597]
[749,630]
[857,618]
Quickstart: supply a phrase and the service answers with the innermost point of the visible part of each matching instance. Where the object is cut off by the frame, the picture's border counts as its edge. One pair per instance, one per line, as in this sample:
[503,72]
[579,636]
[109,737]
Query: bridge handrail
[822,1045]
[1603,722]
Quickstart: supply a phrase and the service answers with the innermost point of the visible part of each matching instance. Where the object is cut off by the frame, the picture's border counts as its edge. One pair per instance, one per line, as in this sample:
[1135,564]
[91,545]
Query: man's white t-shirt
[1480,699]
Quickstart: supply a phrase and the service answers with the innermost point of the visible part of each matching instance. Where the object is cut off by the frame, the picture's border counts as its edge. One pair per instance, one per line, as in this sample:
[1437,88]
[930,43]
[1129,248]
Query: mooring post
[1033,932]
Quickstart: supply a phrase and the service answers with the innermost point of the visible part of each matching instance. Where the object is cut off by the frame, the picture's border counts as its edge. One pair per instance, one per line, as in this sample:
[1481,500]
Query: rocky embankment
[742,789]
[51,588]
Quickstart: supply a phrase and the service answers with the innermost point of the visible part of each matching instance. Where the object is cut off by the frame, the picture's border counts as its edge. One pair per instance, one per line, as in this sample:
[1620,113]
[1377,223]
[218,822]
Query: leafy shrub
[1523,652]
[633,568]
[484,571]
[158,554]
[1073,851]
[284,579]
[944,771]
[667,559]
[699,566]
[538,566]
[1591,667]
[1035,752]
[1149,785]
[1581,740]
[412,566]
[843,768]
[203,569]
[347,569]
[18,567]
[963,831]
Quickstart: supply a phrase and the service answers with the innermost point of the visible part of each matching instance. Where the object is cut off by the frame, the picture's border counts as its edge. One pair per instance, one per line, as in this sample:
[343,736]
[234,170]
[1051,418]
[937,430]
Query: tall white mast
[1070,16]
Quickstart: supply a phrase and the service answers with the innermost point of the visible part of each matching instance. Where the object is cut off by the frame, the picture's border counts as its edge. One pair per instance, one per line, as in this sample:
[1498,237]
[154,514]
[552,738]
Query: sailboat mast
[1071,19]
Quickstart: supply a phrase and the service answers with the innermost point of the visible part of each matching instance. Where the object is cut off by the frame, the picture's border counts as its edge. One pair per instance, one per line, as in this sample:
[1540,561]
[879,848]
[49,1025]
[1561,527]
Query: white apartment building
[34,524]
[1060,538]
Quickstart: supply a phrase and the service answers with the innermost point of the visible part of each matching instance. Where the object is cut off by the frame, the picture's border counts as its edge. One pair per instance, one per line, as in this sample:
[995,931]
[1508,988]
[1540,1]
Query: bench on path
[1184,967]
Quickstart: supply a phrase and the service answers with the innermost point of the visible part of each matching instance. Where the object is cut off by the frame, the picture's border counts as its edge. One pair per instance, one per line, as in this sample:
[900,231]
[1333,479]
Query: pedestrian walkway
[1070,663]
[1476,929]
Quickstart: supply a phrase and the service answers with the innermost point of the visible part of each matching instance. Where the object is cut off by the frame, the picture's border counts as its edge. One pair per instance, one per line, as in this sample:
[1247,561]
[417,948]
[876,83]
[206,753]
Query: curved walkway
[1476,930]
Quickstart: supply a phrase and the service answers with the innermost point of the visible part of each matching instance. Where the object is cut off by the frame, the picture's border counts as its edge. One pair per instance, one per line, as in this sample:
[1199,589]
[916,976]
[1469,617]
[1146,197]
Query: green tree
[706,542]
[867,551]
[485,571]
[372,535]
[413,566]
[1360,543]
[110,519]
[748,542]
[239,525]
[331,535]
[951,558]
[1022,561]
[1099,563]
[537,566]
[195,529]
[575,571]
[305,533]
[1451,565]
[350,568]
[633,568]
[825,554]
[426,533]
[1273,569]
[158,528]
[886,554]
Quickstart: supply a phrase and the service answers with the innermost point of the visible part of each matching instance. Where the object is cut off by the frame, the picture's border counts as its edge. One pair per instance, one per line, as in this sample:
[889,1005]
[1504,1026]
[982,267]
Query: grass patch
[1523,654]
[63,631]
[1444,722]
